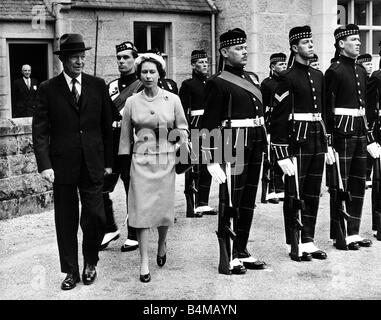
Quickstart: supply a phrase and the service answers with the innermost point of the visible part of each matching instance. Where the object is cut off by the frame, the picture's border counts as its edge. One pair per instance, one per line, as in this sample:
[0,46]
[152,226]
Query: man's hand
[287,166]
[330,156]
[373,149]
[108,171]
[216,172]
[48,175]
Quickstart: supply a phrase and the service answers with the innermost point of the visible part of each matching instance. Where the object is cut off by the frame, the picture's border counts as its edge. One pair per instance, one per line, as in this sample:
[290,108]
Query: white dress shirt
[27,82]
[78,83]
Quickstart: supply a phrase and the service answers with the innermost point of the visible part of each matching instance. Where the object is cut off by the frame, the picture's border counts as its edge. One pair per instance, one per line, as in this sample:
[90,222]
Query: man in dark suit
[24,94]
[72,137]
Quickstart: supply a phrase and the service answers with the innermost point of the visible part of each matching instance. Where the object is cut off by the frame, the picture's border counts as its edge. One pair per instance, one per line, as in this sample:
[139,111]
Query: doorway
[34,54]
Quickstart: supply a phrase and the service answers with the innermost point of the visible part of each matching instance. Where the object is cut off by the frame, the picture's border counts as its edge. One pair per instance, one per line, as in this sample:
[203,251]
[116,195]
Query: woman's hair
[158,66]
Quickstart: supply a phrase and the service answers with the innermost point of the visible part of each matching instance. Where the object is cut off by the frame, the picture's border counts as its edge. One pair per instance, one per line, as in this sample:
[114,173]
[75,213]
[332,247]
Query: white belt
[197,112]
[350,112]
[306,117]
[237,123]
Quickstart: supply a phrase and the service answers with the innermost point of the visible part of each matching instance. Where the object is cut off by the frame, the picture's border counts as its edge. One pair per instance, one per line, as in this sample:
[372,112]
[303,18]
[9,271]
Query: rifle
[376,173]
[296,205]
[267,165]
[266,174]
[339,197]
[224,232]
[190,179]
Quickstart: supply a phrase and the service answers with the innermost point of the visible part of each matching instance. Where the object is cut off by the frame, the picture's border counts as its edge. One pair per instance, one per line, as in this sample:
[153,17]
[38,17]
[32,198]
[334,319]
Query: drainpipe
[56,8]
[213,43]
[213,32]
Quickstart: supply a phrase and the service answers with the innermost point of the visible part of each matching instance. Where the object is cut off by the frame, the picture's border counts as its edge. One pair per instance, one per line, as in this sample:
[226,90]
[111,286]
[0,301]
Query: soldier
[346,122]
[373,115]
[314,62]
[272,174]
[300,105]
[165,83]
[119,90]
[233,99]
[365,61]
[192,98]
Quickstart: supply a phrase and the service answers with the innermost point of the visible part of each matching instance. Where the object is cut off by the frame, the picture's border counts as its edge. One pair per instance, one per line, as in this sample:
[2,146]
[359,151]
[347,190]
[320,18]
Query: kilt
[353,157]
[310,159]
[244,179]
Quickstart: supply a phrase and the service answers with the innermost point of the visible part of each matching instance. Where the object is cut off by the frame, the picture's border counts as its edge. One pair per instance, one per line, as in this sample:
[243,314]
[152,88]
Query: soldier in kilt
[269,85]
[346,122]
[192,98]
[374,122]
[298,130]
[119,90]
[365,61]
[233,108]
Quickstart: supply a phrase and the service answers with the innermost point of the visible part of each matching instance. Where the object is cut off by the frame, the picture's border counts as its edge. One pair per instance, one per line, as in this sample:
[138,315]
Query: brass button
[152,112]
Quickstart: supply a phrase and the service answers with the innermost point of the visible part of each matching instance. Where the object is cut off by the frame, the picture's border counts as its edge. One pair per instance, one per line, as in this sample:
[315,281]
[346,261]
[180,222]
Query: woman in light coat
[148,138]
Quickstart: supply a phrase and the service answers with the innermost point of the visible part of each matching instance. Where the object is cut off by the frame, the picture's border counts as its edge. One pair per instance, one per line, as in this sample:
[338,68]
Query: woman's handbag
[186,158]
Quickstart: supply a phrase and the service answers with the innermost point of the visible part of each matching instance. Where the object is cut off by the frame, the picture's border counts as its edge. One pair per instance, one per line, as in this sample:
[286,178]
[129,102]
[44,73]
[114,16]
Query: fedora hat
[71,42]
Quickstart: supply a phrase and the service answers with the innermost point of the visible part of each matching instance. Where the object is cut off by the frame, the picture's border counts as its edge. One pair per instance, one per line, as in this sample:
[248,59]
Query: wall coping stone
[16,126]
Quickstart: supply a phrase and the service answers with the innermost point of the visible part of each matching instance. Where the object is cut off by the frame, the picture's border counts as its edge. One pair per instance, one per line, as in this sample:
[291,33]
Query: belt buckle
[256,122]
[361,111]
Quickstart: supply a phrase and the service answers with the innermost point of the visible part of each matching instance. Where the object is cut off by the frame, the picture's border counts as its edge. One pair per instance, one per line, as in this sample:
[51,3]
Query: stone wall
[22,190]
[268,22]
[186,32]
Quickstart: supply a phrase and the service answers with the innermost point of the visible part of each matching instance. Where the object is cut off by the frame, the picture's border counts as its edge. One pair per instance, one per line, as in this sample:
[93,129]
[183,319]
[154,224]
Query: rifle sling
[242,83]
[125,93]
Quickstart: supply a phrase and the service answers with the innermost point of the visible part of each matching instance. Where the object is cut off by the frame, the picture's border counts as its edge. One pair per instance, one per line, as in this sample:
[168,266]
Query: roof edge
[105,6]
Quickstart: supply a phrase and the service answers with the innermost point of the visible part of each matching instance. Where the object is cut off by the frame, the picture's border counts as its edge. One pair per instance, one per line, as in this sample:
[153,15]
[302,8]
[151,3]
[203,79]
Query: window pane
[376,42]
[158,37]
[140,37]
[364,41]
[342,12]
[360,12]
[377,13]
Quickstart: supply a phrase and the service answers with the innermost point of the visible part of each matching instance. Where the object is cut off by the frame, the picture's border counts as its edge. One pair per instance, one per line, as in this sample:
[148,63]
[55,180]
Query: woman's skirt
[151,195]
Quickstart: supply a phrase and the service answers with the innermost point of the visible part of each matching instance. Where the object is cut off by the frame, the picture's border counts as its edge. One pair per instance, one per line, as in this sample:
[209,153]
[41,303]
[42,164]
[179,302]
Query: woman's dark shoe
[145,277]
[162,259]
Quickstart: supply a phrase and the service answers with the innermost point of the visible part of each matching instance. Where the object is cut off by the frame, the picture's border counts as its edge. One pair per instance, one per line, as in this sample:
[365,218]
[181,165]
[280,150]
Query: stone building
[29,30]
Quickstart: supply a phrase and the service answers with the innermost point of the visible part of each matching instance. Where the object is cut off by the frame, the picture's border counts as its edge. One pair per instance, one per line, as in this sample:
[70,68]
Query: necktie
[74,90]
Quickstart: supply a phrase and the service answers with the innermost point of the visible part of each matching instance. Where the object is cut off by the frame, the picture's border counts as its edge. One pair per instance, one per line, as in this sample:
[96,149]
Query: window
[152,35]
[367,15]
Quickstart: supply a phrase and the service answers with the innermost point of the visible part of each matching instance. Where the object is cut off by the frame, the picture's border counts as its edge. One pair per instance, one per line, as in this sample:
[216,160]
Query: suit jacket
[64,131]
[24,99]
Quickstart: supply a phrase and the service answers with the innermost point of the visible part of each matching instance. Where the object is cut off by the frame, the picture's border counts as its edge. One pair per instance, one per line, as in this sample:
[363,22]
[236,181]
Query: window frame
[148,25]
[369,27]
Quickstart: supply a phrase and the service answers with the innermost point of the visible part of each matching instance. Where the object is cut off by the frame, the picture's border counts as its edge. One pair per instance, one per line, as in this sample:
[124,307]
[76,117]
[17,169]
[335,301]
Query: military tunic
[247,142]
[276,185]
[374,122]
[192,98]
[169,85]
[346,121]
[297,130]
